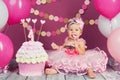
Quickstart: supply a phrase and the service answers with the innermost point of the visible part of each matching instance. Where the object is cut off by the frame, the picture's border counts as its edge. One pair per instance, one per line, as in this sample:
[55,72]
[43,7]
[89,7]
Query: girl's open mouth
[74,36]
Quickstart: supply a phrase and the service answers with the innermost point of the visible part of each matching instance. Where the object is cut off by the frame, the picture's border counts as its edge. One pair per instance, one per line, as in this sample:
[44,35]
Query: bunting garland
[40,32]
[55,18]
[58,18]
[39,2]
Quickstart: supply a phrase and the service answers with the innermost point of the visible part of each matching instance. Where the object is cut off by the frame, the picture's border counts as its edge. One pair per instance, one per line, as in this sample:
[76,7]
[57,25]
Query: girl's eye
[76,29]
[71,29]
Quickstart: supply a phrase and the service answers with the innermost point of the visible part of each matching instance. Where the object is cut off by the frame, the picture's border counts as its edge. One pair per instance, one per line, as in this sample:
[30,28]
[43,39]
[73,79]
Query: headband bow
[77,20]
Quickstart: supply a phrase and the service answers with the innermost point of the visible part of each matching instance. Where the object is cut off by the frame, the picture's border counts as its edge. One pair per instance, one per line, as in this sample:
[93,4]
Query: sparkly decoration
[36,12]
[43,33]
[51,33]
[43,1]
[87,2]
[51,17]
[58,31]
[42,21]
[34,20]
[25,24]
[48,34]
[61,19]
[31,35]
[92,22]
[41,14]
[39,2]
[66,20]
[77,15]
[83,7]
[28,19]
[32,10]
[49,1]
[86,22]
[22,20]
[96,21]
[40,29]
[55,32]
[63,29]
[46,16]
[81,11]
[39,32]
[56,18]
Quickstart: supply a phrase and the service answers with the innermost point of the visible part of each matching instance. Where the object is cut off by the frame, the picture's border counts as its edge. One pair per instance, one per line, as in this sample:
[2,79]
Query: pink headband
[77,20]
[81,23]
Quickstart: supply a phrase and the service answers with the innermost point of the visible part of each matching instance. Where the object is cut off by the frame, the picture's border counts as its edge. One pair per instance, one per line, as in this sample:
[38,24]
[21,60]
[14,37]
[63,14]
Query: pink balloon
[107,8]
[113,44]
[17,9]
[6,50]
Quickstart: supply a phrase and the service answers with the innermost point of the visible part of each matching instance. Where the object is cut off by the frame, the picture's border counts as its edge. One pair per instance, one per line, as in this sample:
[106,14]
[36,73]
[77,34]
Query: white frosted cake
[31,58]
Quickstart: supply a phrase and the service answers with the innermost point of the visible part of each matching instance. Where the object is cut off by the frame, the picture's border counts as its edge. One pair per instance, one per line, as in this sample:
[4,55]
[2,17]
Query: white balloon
[115,21]
[106,26]
[3,14]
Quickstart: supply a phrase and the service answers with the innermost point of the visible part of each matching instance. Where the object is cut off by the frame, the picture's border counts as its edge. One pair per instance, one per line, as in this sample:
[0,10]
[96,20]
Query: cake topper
[31,29]
[24,25]
[31,35]
[40,29]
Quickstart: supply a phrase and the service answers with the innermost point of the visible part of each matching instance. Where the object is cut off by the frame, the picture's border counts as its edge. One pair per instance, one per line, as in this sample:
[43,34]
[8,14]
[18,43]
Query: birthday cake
[31,58]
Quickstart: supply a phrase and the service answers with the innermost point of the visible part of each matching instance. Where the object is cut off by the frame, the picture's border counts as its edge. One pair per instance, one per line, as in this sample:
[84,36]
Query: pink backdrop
[64,8]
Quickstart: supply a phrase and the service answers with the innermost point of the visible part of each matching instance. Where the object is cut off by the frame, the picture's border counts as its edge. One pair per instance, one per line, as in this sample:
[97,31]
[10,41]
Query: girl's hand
[80,47]
[76,43]
[55,46]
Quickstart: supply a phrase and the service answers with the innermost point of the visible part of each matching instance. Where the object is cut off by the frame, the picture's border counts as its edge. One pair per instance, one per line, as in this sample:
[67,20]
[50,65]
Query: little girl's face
[74,31]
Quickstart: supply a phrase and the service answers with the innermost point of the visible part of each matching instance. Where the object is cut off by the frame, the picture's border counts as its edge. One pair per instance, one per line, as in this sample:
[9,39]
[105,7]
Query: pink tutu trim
[64,63]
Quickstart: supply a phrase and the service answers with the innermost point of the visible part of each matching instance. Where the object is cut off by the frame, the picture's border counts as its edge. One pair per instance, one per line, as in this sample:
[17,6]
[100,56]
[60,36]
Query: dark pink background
[64,8]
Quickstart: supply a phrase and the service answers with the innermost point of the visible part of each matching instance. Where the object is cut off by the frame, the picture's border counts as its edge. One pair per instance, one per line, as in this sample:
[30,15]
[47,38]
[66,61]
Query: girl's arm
[55,46]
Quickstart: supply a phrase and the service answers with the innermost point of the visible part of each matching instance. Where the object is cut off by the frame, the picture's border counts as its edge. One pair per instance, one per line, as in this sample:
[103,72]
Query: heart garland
[26,25]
